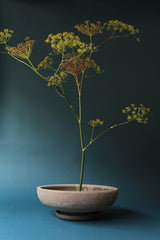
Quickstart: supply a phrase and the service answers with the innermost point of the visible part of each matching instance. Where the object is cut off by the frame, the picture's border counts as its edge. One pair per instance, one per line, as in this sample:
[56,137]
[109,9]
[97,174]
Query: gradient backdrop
[39,138]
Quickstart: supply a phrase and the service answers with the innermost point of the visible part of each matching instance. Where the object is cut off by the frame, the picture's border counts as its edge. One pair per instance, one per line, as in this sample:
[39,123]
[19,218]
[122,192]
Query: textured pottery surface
[70,202]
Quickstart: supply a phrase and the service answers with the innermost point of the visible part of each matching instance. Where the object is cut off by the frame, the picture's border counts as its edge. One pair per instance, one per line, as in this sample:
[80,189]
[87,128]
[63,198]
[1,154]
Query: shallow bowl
[72,204]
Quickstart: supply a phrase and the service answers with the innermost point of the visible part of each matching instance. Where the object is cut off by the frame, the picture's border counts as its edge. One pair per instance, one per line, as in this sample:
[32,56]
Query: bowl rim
[102,188]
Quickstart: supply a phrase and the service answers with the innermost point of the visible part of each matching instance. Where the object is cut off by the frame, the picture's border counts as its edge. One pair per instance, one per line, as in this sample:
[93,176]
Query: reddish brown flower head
[75,63]
[90,29]
[23,50]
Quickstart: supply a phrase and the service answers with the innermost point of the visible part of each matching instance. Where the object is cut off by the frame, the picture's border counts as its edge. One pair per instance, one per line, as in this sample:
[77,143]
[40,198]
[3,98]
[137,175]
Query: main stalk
[82,143]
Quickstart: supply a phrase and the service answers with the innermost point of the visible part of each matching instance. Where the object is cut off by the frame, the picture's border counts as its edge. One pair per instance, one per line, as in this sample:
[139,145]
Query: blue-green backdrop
[39,138]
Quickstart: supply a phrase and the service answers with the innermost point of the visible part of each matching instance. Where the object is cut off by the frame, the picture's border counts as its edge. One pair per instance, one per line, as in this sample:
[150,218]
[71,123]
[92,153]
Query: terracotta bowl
[71,204]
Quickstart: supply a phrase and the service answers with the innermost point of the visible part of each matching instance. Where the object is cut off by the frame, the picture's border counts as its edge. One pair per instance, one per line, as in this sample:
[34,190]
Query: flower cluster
[90,29]
[57,79]
[76,63]
[93,64]
[116,25]
[45,63]
[66,40]
[23,50]
[5,36]
[137,113]
[95,123]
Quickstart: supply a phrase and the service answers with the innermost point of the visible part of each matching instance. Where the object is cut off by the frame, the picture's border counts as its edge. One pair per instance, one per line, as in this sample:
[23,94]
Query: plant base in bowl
[70,204]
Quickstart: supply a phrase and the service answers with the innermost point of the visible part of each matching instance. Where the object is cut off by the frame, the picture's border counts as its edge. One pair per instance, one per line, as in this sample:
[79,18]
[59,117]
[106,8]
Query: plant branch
[82,144]
[31,66]
[21,61]
[113,36]
[60,92]
[105,131]
[82,77]
[77,82]
[92,132]
[35,70]
[82,170]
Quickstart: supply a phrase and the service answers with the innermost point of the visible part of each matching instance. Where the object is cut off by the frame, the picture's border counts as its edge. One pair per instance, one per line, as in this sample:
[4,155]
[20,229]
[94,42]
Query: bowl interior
[74,187]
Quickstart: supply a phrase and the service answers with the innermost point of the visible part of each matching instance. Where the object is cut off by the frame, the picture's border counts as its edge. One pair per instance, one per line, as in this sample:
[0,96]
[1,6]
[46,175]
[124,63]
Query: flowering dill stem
[92,132]
[71,106]
[82,170]
[82,144]
[76,78]
[82,78]
[60,92]
[105,131]
[35,70]
[21,61]
[80,117]
[31,66]
[80,122]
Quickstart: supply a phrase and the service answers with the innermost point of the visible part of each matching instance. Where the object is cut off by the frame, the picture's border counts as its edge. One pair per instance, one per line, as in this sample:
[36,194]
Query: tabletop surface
[34,221]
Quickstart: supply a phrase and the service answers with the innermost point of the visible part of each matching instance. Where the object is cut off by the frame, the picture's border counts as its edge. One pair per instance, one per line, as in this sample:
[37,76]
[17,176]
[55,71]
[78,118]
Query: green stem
[60,92]
[111,37]
[53,69]
[103,42]
[35,70]
[104,132]
[21,61]
[80,122]
[82,170]
[82,144]
[77,82]
[80,119]
[82,78]
[92,134]
[73,58]
[31,66]
[71,106]
[121,36]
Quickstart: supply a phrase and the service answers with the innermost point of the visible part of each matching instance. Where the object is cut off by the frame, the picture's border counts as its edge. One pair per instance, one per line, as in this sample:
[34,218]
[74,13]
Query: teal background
[39,138]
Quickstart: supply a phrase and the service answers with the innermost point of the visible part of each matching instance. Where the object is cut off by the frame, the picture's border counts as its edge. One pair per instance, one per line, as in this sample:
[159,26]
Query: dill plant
[77,58]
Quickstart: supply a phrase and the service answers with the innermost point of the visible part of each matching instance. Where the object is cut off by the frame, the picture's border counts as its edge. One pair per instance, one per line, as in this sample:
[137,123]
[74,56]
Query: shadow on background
[119,215]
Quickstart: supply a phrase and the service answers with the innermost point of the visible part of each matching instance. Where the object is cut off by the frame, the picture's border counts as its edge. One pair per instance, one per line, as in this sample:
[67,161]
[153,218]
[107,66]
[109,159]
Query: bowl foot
[76,216]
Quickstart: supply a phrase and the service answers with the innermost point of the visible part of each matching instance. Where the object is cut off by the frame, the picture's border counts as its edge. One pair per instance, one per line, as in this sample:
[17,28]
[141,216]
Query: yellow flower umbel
[66,40]
[137,113]
[5,36]
[95,122]
[94,65]
[118,26]
[45,63]
[23,50]
[57,79]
